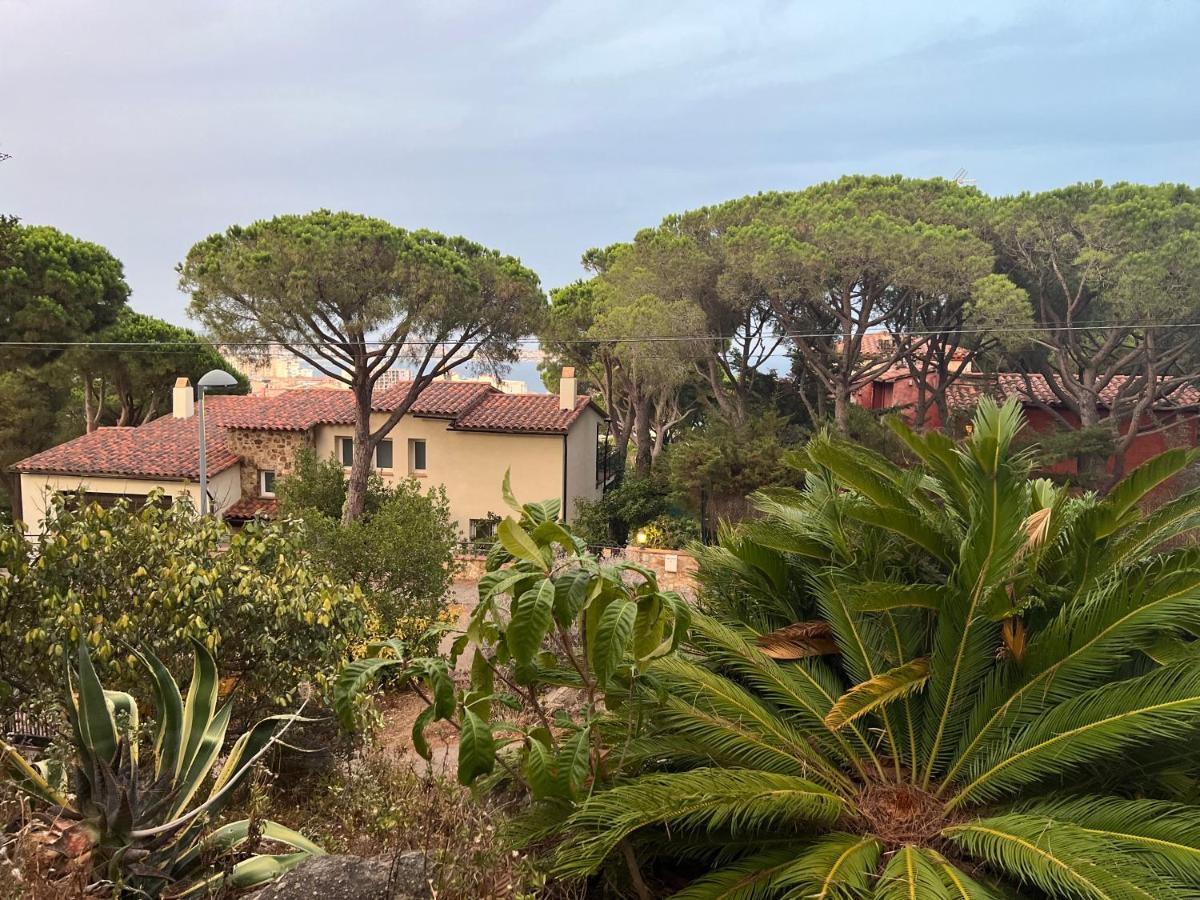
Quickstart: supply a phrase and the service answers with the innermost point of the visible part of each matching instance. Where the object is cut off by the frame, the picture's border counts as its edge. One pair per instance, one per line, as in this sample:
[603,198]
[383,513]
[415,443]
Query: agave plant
[142,827]
[996,693]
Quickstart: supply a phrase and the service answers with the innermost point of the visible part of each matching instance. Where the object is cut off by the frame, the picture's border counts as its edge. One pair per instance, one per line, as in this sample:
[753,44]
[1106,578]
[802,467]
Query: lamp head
[215,380]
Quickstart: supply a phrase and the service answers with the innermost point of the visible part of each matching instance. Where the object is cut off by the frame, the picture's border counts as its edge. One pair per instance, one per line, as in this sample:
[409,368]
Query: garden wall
[675,569]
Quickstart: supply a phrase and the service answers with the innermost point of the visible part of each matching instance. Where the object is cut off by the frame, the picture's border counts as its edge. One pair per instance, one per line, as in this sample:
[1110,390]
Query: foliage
[670,532]
[1111,270]
[27,428]
[142,828]
[56,288]
[612,520]
[157,577]
[124,386]
[569,620]
[383,806]
[400,554]
[353,296]
[715,466]
[975,685]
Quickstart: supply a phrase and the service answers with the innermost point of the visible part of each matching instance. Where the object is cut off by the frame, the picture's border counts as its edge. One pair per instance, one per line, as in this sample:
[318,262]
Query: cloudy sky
[544,128]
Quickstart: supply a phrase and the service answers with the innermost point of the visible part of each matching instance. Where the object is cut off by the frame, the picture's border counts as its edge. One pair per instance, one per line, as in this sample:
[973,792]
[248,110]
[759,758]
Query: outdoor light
[641,537]
[969,428]
[210,381]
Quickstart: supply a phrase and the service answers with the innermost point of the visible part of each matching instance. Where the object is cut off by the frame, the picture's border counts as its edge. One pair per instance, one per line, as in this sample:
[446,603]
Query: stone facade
[674,569]
[265,450]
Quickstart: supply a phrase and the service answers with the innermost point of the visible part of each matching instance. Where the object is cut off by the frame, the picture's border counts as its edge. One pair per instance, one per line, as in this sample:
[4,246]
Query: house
[1171,422]
[460,434]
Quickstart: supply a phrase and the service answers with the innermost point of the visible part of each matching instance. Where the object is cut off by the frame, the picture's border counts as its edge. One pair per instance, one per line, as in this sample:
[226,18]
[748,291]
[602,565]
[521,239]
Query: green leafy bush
[157,577]
[614,518]
[400,553]
[669,532]
[982,688]
[138,827]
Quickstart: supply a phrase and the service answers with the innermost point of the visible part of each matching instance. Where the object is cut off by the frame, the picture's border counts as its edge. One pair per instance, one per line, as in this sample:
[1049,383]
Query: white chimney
[183,402]
[566,389]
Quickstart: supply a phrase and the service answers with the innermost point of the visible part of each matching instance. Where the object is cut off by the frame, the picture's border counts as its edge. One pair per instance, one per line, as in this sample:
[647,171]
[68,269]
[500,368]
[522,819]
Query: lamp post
[214,380]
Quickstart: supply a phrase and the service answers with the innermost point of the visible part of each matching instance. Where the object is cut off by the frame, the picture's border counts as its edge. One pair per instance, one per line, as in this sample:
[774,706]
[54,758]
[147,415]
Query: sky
[546,128]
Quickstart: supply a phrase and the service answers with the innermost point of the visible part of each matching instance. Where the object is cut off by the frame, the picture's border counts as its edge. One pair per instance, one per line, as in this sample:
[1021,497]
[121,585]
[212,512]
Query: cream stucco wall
[471,465]
[224,487]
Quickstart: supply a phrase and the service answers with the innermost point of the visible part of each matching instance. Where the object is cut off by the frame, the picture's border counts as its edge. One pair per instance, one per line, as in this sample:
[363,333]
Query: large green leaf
[199,707]
[911,875]
[516,540]
[96,724]
[532,616]
[476,748]
[612,638]
[354,678]
[168,707]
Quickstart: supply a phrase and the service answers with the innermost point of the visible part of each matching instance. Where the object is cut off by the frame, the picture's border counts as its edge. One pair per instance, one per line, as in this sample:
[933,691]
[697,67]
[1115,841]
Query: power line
[176,346]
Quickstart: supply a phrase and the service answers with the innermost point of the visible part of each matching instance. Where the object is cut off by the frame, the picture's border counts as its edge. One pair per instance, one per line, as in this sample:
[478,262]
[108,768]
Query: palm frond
[754,877]
[837,866]
[911,875]
[798,641]
[887,687]
[1162,705]
[1165,836]
[737,800]
[1060,859]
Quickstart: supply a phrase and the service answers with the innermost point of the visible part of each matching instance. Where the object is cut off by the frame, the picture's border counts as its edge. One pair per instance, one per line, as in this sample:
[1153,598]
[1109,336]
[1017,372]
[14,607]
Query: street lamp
[211,381]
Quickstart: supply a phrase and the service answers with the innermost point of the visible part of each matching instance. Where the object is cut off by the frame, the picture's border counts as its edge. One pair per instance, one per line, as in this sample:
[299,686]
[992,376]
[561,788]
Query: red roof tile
[966,392]
[163,448]
[252,508]
[303,408]
[167,448]
[536,413]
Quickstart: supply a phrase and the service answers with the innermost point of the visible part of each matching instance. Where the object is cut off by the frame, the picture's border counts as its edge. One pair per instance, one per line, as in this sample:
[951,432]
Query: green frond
[911,875]
[959,885]
[887,687]
[834,867]
[1164,836]
[1084,644]
[1060,859]
[879,596]
[736,800]
[1162,705]
[1119,508]
[726,722]
[754,877]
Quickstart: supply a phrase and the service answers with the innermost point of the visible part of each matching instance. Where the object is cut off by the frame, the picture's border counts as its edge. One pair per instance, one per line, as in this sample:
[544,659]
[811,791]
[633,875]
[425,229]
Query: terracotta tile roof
[166,447]
[535,413]
[965,392]
[252,508]
[303,408]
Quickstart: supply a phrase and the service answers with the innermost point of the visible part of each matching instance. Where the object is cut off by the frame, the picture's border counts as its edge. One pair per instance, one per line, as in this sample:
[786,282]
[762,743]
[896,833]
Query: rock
[403,877]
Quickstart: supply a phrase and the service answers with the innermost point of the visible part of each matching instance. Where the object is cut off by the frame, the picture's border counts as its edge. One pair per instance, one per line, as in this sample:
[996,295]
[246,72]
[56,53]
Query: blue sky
[545,128]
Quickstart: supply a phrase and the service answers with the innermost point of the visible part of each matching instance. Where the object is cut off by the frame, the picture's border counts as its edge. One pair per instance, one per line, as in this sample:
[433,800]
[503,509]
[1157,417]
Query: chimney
[566,389]
[183,403]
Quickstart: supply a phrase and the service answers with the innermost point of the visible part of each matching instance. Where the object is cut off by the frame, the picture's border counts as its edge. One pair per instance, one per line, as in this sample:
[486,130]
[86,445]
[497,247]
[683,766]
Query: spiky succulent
[149,828]
[987,688]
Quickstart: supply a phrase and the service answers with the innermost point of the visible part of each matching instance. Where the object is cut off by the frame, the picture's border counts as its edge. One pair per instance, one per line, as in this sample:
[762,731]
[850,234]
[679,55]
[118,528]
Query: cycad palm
[1010,680]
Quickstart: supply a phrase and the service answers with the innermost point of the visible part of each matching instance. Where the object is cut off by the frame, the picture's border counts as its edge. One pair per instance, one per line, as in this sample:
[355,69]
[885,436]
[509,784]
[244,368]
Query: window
[416,456]
[266,483]
[383,455]
[347,451]
[483,529]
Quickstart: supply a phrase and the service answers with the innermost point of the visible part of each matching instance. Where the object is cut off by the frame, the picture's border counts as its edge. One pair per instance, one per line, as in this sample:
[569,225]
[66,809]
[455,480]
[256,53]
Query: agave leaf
[96,723]
[168,704]
[887,687]
[798,641]
[229,837]
[250,873]
[199,708]
[124,707]
[30,780]
[203,759]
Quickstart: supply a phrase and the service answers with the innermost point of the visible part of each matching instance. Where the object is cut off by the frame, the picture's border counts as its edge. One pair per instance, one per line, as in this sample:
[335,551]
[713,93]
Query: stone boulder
[403,877]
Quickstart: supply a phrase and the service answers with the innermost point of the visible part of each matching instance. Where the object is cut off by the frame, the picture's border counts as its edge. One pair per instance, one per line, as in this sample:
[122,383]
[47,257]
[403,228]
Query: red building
[1172,422]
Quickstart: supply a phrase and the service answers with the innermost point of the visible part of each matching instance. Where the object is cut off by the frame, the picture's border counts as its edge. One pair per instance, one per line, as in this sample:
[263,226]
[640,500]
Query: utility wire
[628,339]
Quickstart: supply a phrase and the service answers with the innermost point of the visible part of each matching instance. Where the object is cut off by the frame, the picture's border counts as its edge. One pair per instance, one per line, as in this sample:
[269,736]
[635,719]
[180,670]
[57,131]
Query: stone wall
[270,450]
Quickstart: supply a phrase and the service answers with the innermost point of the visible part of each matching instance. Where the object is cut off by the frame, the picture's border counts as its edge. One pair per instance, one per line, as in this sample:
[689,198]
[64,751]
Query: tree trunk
[641,427]
[1091,466]
[360,470]
[841,410]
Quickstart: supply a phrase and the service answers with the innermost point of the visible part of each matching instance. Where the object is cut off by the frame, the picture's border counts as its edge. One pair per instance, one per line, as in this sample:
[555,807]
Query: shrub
[400,553]
[137,825]
[614,518]
[983,687]
[157,577]
[670,532]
